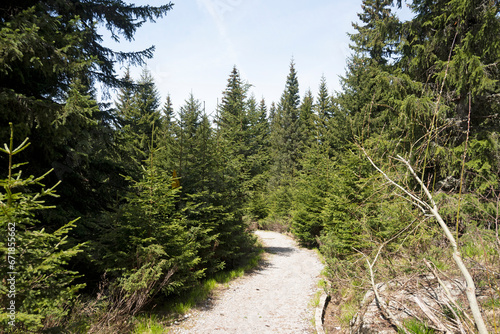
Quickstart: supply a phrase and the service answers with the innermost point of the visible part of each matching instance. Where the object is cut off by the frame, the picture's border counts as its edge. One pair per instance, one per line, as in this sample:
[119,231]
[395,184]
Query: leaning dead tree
[430,206]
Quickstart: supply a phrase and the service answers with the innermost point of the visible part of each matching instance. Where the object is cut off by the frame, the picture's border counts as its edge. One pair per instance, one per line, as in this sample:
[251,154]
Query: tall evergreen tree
[53,56]
[376,39]
[451,54]
[258,158]
[125,98]
[37,287]
[232,108]
[48,45]
[272,115]
[328,122]
[189,153]
[168,112]
[286,132]
[167,140]
[286,146]
[233,131]
[210,199]
[308,120]
[140,117]
[324,105]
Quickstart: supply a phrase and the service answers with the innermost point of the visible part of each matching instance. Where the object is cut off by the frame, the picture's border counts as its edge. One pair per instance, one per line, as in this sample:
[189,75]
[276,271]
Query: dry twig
[385,310]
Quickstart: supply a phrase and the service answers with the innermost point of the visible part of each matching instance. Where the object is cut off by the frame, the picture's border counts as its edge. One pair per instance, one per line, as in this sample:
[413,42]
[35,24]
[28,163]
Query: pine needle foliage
[38,285]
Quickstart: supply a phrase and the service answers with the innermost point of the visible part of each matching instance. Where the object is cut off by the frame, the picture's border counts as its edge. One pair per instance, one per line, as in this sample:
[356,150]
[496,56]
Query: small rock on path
[275,298]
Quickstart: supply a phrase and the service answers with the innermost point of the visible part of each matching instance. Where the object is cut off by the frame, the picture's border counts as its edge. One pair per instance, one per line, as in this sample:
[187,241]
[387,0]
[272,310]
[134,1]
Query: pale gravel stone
[276,298]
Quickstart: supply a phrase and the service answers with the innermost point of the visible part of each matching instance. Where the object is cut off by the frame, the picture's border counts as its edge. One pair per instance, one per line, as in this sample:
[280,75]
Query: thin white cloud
[217,9]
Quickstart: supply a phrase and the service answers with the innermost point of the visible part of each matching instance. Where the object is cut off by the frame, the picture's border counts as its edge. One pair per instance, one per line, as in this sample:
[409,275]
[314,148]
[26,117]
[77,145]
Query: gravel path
[276,298]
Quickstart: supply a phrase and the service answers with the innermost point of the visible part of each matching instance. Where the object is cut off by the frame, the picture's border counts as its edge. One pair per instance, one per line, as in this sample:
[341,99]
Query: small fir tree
[37,287]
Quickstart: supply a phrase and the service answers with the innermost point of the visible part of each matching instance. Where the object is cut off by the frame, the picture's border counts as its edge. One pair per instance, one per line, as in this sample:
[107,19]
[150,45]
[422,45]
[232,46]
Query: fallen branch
[385,310]
[449,296]
[431,207]
[429,314]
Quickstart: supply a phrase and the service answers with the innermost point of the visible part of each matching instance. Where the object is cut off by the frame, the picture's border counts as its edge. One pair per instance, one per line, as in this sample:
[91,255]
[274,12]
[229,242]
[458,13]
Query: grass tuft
[150,324]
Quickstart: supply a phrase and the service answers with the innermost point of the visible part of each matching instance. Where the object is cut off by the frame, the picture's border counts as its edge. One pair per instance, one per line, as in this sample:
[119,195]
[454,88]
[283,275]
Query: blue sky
[199,41]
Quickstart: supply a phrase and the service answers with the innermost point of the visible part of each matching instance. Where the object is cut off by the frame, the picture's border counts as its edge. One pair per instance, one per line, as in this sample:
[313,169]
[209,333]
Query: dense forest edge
[110,210]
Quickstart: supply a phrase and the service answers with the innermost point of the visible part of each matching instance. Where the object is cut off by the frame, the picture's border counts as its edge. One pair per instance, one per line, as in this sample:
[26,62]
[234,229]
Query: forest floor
[277,297]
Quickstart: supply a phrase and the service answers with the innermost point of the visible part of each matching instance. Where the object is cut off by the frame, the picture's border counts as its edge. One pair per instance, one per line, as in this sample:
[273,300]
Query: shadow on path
[281,251]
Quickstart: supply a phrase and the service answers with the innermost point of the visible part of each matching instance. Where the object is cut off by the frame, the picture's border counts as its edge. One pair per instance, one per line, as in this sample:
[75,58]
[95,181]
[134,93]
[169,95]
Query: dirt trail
[276,298]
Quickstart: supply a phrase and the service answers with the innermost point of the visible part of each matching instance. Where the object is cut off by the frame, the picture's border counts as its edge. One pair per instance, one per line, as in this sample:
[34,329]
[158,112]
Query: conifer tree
[168,112]
[209,196]
[167,139]
[286,146]
[327,182]
[189,150]
[331,125]
[272,114]
[53,57]
[376,39]
[447,43]
[258,157]
[308,120]
[311,188]
[258,136]
[48,45]
[286,132]
[310,193]
[232,108]
[367,85]
[323,105]
[139,117]
[38,286]
[152,247]
[125,97]
[233,133]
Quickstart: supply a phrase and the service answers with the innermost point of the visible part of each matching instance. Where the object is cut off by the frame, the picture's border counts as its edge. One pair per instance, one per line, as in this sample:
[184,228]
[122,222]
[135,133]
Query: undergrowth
[88,314]
[403,266]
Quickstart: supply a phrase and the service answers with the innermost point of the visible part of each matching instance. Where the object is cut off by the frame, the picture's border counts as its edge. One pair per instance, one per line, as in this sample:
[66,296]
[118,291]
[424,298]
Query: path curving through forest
[275,298]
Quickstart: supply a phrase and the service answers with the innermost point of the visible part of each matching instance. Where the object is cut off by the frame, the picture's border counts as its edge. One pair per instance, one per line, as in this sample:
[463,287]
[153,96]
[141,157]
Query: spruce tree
[310,194]
[258,158]
[453,44]
[53,57]
[167,139]
[286,132]
[367,85]
[152,247]
[168,112]
[210,199]
[190,149]
[38,286]
[376,39]
[286,146]
[234,139]
[125,98]
[48,45]
[324,104]
[141,117]
[331,122]
[308,120]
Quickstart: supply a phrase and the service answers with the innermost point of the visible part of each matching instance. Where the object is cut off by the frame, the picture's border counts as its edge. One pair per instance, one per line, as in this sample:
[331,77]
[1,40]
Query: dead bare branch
[431,206]
[421,204]
[432,268]
[385,310]
[429,314]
